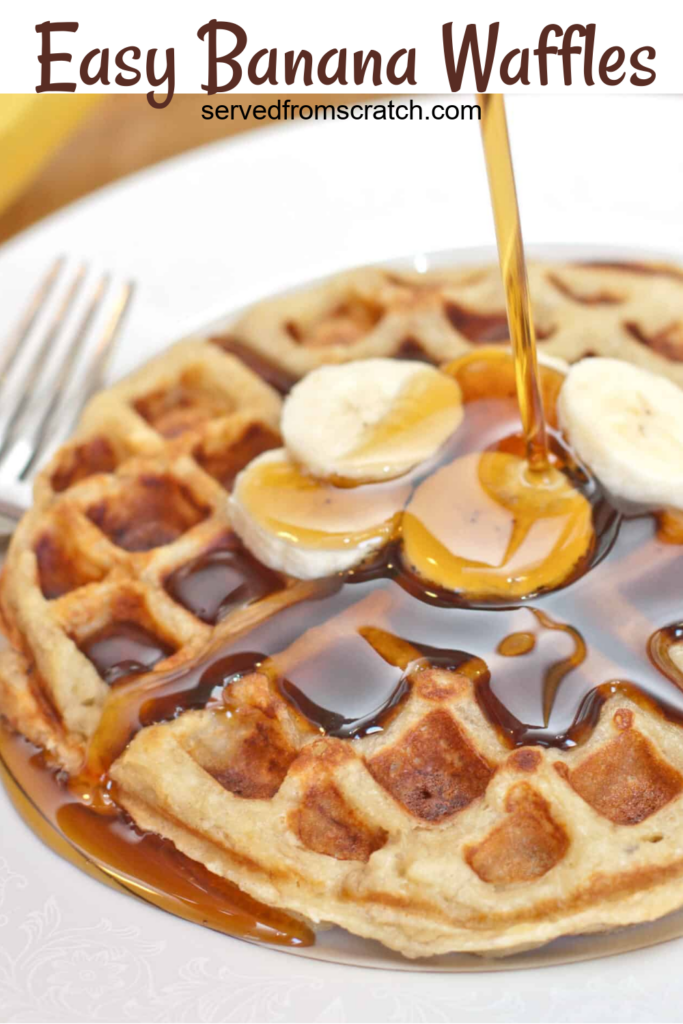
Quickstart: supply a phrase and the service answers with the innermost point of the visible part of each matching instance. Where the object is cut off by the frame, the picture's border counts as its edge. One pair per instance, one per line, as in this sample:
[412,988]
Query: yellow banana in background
[31,128]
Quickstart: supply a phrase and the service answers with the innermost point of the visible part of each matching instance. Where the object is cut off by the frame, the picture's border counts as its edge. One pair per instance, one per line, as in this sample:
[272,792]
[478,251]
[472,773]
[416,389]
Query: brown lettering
[606,65]
[360,67]
[121,63]
[102,73]
[543,50]
[409,73]
[588,55]
[271,69]
[469,40]
[167,76]
[292,66]
[650,53]
[211,30]
[339,75]
[46,57]
[567,50]
[522,75]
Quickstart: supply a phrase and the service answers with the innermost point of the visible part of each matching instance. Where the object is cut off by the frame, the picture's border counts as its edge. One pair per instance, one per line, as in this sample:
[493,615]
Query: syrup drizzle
[594,629]
[347,680]
[124,648]
[267,369]
[221,581]
[494,135]
[106,845]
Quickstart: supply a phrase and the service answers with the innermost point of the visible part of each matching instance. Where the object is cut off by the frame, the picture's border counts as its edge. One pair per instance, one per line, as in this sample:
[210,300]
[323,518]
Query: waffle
[632,311]
[138,493]
[431,835]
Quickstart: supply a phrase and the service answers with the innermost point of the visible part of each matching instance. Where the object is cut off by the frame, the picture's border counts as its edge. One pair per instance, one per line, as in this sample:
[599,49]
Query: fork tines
[50,366]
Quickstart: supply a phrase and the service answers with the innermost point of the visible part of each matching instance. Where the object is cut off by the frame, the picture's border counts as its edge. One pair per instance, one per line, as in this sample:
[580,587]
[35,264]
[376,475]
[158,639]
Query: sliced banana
[553,362]
[311,528]
[626,424]
[369,420]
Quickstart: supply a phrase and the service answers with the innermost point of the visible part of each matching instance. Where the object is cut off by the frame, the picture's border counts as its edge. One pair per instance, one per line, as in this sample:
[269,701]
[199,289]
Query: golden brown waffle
[139,492]
[634,311]
[429,836]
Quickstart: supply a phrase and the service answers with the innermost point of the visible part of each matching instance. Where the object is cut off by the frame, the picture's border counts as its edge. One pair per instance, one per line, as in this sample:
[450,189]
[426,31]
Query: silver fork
[44,382]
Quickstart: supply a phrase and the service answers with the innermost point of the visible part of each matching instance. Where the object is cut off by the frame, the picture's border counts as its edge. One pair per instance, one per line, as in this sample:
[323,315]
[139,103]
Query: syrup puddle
[108,847]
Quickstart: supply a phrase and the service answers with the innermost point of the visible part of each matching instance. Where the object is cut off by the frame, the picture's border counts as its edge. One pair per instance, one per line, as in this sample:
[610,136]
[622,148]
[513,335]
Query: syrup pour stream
[341,650]
[501,177]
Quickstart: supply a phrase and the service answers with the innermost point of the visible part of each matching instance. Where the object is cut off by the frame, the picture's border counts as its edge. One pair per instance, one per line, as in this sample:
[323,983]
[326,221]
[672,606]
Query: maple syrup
[220,581]
[591,609]
[313,513]
[426,410]
[513,268]
[522,522]
[106,845]
[267,369]
[344,655]
[121,649]
[511,534]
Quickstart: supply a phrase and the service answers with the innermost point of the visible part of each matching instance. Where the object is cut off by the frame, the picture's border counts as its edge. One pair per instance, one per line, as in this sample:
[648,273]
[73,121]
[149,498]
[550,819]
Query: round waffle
[431,835]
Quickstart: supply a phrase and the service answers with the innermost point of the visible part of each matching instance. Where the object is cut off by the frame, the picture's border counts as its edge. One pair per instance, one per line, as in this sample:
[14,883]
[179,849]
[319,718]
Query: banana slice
[369,420]
[311,528]
[553,362]
[626,424]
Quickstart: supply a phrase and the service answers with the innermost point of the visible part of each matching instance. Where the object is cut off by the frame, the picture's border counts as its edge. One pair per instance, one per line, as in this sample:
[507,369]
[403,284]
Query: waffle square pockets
[138,496]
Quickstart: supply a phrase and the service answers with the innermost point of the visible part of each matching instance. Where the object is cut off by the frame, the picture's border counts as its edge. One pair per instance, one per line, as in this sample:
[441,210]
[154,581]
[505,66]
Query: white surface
[213,230]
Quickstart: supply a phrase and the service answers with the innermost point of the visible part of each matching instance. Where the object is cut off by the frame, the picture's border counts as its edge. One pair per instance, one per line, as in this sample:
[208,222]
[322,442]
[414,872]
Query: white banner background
[354,24]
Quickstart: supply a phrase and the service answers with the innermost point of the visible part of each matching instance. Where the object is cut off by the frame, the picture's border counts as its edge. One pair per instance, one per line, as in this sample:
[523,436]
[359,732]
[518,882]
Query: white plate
[211,231]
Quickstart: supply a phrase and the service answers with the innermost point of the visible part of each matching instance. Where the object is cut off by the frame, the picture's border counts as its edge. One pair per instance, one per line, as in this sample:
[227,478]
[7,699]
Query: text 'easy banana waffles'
[335,657]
